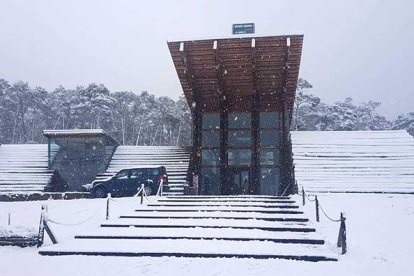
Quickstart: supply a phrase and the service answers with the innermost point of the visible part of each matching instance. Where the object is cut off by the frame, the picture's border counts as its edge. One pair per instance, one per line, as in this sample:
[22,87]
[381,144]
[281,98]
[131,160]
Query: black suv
[128,181]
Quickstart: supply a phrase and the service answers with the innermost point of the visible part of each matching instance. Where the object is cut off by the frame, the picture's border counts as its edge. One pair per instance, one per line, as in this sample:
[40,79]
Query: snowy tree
[92,106]
[405,121]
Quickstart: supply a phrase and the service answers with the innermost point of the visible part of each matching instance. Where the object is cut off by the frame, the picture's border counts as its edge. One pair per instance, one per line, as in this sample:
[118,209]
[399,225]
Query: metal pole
[9,218]
[317,208]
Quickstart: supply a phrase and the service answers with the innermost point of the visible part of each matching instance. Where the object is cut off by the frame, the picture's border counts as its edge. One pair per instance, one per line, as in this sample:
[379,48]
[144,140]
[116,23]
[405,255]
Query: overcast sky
[360,49]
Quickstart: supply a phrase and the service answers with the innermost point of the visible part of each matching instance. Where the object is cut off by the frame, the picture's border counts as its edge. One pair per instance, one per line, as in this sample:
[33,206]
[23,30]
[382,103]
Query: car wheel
[148,190]
[100,192]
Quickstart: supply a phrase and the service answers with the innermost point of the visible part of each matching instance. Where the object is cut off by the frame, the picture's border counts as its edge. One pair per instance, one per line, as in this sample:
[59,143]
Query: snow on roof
[71,132]
[79,133]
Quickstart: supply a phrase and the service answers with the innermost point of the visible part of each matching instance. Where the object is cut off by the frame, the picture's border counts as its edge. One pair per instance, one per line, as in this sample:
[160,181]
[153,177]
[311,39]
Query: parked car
[127,182]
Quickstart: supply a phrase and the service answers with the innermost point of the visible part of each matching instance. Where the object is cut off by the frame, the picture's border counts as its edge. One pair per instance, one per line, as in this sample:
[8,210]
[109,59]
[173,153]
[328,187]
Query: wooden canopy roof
[237,68]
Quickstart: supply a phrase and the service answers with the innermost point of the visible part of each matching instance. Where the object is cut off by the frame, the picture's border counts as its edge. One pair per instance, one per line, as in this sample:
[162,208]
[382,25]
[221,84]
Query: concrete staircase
[175,159]
[354,161]
[260,227]
[23,168]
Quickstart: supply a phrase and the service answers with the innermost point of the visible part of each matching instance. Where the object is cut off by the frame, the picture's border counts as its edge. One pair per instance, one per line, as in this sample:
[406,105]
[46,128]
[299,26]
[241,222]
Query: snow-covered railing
[342,228]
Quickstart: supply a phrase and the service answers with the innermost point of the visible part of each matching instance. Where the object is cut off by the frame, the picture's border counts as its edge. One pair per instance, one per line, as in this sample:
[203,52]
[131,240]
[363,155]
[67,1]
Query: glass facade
[79,158]
[269,181]
[269,120]
[210,157]
[239,157]
[238,174]
[240,120]
[269,138]
[269,148]
[211,121]
[269,157]
[210,138]
[240,138]
[210,154]
[211,180]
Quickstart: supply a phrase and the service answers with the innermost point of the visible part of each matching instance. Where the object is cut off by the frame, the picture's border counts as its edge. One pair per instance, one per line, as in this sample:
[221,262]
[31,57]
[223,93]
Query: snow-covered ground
[379,229]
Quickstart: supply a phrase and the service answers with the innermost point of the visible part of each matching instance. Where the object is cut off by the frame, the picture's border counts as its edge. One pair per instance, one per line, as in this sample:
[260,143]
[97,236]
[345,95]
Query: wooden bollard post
[303,196]
[317,208]
[342,235]
[41,235]
[44,226]
[107,205]
[9,219]
[142,194]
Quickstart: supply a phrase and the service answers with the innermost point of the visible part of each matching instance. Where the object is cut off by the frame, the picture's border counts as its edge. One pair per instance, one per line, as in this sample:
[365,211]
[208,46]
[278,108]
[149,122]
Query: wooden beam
[188,72]
[219,69]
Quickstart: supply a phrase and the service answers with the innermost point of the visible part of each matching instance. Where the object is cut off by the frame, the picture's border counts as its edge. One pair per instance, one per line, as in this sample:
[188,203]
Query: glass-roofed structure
[79,154]
[241,93]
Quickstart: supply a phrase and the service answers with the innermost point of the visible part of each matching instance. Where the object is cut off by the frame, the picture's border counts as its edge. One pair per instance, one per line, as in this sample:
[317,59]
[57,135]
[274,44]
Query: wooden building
[241,93]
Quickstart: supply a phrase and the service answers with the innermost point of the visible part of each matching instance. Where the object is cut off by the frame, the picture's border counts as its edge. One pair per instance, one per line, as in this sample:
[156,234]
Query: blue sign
[243,28]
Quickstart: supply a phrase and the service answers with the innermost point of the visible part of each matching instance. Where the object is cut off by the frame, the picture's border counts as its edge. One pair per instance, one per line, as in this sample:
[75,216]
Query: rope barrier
[139,191]
[326,215]
[342,229]
[311,200]
[77,223]
[319,204]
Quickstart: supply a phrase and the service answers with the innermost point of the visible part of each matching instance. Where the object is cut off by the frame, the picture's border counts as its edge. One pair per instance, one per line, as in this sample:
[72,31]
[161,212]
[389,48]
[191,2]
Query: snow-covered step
[208,209]
[23,168]
[226,199]
[279,226]
[192,248]
[225,204]
[200,233]
[215,214]
[156,231]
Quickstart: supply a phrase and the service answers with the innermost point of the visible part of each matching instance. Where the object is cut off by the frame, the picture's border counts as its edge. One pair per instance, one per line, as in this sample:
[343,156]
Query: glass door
[240,181]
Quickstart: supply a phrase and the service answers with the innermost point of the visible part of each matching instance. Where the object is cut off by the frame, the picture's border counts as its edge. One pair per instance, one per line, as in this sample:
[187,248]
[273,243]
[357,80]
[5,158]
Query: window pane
[269,181]
[155,172]
[211,181]
[211,120]
[269,157]
[240,157]
[269,120]
[240,138]
[122,175]
[137,173]
[211,138]
[210,157]
[240,120]
[269,138]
